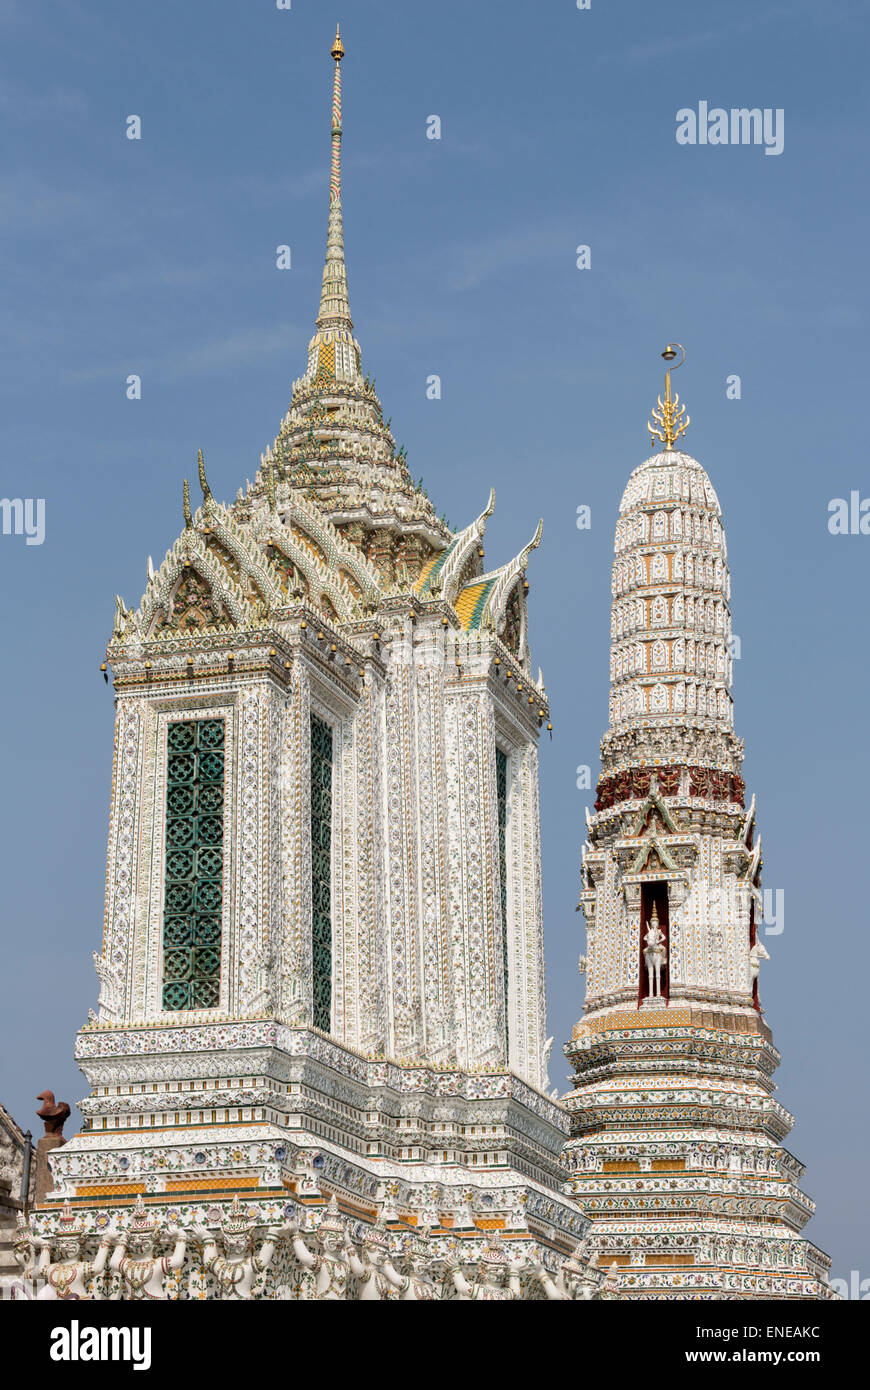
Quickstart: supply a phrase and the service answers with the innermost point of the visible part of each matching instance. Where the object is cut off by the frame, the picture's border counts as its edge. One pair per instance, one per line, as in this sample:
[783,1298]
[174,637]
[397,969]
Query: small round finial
[337,50]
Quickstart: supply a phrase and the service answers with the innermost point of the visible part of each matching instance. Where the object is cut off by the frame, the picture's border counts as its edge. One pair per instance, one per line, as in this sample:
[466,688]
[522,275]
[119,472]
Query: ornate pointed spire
[334,303]
[333,353]
[668,419]
[334,440]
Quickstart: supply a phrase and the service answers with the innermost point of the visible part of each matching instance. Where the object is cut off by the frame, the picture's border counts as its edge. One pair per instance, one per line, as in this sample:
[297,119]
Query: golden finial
[337,50]
[668,417]
[188,519]
[203,481]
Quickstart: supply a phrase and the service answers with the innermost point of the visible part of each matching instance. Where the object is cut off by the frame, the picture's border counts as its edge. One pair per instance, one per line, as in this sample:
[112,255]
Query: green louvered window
[321,871]
[501,784]
[193,896]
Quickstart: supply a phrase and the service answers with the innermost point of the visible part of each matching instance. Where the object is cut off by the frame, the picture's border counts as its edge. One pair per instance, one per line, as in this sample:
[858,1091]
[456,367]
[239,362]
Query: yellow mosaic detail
[466,603]
[107,1190]
[426,571]
[326,360]
[210,1184]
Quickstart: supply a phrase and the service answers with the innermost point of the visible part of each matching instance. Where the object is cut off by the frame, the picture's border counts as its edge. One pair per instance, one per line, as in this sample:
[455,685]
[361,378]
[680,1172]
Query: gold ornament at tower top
[668,416]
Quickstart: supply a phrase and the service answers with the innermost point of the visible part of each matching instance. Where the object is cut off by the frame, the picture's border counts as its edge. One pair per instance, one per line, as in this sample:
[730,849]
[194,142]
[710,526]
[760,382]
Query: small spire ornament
[203,481]
[669,417]
[269,480]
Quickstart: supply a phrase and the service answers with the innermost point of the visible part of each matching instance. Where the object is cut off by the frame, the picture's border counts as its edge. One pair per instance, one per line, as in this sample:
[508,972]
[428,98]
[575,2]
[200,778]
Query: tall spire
[333,352]
[334,445]
[334,303]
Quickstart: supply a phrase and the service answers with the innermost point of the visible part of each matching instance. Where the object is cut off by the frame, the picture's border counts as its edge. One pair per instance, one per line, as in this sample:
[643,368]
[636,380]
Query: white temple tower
[323,940]
[677,1143]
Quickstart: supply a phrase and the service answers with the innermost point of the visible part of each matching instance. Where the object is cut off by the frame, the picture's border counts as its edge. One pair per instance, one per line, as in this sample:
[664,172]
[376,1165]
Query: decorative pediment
[654,810]
[653,858]
[193,605]
[190,593]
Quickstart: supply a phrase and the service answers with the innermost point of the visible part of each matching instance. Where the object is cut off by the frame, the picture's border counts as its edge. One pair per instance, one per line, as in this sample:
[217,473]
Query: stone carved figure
[496,1280]
[53,1114]
[68,1275]
[757,954]
[415,1284]
[368,1268]
[554,1289]
[579,1277]
[328,1260]
[17,1287]
[237,1268]
[655,956]
[142,1273]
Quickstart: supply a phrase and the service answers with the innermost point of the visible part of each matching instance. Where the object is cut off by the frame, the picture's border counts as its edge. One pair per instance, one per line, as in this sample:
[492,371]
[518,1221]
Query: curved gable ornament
[506,601]
[447,575]
[312,559]
[189,584]
[252,569]
[301,575]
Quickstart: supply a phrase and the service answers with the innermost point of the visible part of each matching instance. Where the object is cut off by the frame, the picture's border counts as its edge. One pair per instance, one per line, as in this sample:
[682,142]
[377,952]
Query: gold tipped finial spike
[188,518]
[669,417]
[337,50]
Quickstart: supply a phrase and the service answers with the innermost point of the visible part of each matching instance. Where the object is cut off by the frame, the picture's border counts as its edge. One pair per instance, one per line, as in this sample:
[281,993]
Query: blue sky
[158,257]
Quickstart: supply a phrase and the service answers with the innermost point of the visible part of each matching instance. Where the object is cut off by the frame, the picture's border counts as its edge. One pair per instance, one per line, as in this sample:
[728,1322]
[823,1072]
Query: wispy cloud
[25,103]
[28,202]
[664,46]
[178,277]
[276,189]
[472,264]
[234,351]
